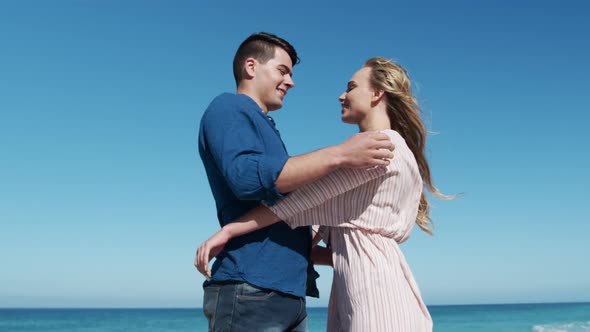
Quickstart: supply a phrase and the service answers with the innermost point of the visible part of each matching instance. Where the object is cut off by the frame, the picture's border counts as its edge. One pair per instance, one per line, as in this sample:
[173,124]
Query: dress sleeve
[320,217]
[319,192]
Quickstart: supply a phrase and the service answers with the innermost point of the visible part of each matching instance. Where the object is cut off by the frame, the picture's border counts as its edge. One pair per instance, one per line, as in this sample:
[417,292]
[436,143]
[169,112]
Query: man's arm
[363,150]
[232,138]
[321,256]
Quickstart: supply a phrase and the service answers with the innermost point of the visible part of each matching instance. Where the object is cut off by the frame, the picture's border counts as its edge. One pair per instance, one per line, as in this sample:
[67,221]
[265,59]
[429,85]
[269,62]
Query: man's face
[273,80]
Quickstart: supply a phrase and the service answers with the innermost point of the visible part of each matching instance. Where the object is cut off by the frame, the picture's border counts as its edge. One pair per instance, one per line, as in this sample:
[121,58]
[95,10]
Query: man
[259,280]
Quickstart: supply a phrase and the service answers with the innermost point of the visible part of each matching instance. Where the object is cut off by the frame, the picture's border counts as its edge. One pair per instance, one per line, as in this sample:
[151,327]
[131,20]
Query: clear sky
[103,197]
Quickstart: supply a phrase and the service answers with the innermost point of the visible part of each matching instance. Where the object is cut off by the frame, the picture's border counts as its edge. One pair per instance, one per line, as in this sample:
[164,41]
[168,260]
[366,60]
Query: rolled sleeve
[269,170]
[253,176]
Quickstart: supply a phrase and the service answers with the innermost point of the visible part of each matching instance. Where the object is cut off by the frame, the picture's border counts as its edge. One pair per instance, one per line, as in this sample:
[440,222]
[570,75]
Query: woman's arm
[298,208]
[321,192]
[255,219]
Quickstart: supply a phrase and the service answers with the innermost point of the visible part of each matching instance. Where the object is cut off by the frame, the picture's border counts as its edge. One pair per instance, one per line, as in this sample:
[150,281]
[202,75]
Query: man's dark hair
[261,46]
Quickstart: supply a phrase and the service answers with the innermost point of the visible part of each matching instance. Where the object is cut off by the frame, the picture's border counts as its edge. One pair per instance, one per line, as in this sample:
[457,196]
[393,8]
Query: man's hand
[364,150]
[209,249]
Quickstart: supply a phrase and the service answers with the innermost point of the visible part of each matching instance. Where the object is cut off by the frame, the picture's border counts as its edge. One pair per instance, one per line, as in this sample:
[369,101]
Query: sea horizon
[320,307]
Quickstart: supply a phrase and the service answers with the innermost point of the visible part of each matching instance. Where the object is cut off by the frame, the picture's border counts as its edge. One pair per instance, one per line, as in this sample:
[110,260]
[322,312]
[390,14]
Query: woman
[364,214]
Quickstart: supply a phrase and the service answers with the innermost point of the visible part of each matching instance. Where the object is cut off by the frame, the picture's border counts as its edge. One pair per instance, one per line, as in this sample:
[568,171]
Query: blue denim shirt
[243,155]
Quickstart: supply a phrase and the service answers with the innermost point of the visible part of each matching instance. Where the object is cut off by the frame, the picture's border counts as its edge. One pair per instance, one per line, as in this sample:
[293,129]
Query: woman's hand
[255,219]
[209,249]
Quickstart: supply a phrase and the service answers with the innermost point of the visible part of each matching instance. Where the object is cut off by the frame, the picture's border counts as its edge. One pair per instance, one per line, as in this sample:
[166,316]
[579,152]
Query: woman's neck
[376,120]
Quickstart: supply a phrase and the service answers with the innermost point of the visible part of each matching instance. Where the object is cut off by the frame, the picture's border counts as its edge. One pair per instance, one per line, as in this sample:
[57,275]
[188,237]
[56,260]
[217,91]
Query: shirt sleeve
[233,137]
[319,192]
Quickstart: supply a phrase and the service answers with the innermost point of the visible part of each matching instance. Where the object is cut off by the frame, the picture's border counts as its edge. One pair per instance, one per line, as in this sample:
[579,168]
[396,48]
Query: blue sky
[104,199]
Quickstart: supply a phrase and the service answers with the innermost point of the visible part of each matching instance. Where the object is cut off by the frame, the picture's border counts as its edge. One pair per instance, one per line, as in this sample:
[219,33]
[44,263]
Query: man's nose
[289,82]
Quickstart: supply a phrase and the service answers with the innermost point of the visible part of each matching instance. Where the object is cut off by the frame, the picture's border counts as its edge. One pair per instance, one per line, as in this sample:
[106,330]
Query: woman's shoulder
[394,136]
[402,150]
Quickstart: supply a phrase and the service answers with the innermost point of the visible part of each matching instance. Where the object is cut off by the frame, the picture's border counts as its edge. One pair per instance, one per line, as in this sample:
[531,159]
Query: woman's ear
[377,95]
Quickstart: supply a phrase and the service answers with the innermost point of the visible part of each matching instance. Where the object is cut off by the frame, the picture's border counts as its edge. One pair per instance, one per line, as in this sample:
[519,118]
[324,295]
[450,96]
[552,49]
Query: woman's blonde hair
[404,115]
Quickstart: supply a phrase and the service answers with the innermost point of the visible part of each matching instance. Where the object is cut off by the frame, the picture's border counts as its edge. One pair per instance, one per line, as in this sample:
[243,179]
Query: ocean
[552,317]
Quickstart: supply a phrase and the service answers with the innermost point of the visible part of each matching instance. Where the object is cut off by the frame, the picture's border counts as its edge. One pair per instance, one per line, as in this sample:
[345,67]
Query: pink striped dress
[364,215]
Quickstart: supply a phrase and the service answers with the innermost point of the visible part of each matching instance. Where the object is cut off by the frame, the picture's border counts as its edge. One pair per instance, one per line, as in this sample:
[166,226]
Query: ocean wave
[563,327]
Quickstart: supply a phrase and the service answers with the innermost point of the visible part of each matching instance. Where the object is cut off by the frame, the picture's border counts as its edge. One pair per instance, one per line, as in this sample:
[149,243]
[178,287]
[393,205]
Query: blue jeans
[238,306]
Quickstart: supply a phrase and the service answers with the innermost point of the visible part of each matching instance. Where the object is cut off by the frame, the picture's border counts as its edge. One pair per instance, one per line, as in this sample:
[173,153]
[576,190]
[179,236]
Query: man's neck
[245,91]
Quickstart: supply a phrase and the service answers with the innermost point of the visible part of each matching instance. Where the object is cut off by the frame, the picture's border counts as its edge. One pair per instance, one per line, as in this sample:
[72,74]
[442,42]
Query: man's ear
[250,67]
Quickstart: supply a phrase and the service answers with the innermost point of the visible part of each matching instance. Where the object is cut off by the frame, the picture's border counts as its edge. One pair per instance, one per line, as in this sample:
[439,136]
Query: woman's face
[357,100]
